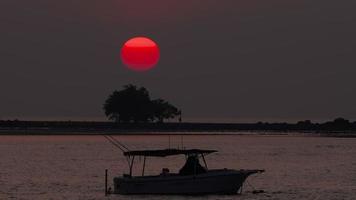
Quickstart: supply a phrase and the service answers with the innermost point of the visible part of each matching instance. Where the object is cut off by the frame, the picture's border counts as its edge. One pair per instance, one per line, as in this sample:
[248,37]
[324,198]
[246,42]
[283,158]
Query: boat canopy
[167,152]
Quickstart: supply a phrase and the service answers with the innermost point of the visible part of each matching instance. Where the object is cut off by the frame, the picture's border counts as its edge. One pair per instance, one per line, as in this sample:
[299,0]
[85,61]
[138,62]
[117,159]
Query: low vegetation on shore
[337,126]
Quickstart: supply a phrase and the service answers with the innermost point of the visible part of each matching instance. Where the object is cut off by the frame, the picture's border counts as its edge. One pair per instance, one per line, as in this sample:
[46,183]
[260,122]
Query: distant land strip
[338,127]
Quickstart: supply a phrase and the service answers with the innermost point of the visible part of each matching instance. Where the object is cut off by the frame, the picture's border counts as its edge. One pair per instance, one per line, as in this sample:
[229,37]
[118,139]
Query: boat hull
[213,182]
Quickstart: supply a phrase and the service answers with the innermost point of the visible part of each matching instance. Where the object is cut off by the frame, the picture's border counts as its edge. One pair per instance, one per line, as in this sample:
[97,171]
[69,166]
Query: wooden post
[106,182]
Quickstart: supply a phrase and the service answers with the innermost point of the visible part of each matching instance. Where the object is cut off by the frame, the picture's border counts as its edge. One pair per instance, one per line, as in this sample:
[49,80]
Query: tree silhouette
[163,110]
[338,124]
[133,104]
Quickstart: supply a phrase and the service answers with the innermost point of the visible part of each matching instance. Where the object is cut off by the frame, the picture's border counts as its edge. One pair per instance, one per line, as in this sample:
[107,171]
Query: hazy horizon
[187,120]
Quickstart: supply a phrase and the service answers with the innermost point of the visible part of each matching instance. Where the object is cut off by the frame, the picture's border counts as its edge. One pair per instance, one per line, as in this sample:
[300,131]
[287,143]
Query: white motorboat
[192,178]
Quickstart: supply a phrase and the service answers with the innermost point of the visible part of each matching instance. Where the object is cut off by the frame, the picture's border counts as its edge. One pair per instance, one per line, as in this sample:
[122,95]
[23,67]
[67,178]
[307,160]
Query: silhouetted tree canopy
[133,104]
[163,110]
[338,124]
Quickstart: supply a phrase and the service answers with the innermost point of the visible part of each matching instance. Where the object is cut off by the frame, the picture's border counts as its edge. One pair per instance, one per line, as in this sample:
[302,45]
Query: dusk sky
[221,60]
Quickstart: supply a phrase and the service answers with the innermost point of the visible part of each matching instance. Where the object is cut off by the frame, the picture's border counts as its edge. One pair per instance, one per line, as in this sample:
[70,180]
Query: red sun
[140,54]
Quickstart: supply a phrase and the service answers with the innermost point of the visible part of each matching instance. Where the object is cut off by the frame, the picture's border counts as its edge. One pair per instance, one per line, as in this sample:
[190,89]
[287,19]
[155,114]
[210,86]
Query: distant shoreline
[328,129]
[138,133]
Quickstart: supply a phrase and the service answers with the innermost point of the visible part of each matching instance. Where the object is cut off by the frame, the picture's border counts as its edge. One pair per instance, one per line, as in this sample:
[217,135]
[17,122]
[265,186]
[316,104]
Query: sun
[140,54]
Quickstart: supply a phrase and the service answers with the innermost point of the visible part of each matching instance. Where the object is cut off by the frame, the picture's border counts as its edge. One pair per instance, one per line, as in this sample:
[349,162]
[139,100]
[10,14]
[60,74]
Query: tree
[163,110]
[339,124]
[133,104]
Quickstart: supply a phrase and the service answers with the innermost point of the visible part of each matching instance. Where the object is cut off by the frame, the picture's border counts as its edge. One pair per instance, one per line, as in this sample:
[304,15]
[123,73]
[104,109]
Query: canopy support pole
[206,165]
[144,164]
[131,165]
[195,166]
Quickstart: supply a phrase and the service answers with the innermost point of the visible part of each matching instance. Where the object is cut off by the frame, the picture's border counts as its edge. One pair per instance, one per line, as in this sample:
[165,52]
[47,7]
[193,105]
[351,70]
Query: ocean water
[73,167]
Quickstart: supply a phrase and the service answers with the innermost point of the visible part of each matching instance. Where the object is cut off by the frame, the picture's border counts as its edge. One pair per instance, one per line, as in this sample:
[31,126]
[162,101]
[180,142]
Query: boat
[192,178]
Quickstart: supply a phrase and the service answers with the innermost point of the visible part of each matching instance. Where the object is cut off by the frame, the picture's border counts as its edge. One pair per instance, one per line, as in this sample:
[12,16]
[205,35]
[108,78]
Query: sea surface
[73,167]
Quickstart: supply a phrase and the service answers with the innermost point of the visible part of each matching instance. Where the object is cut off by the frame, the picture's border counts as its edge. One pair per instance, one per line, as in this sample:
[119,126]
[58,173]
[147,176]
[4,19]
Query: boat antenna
[116,143]
[119,145]
[169,141]
[181,141]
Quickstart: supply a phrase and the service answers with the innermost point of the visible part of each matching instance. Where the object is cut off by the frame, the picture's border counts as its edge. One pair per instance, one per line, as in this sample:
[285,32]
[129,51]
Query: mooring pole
[106,182]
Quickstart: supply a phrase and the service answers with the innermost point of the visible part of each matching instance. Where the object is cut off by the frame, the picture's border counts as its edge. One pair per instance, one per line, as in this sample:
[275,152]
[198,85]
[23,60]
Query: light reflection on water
[72,167]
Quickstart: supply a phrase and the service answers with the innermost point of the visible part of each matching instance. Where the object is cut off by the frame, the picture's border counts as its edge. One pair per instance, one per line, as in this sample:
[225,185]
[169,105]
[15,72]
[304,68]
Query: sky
[221,60]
